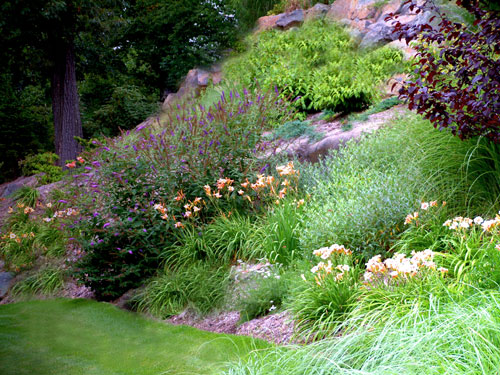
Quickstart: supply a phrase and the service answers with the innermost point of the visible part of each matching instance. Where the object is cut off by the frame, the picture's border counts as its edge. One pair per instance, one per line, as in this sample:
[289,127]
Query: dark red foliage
[456,81]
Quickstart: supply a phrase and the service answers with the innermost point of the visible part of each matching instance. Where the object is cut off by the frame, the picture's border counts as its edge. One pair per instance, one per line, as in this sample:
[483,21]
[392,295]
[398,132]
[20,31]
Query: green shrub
[26,125]
[318,64]
[219,242]
[360,206]
[28,235]
[248,11]
[361,194]
[127,107]
[322,302]
[42,163]
[198,286]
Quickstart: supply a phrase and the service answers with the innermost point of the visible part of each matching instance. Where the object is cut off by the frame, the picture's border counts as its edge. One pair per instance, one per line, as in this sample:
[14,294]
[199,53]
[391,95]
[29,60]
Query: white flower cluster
[401,266]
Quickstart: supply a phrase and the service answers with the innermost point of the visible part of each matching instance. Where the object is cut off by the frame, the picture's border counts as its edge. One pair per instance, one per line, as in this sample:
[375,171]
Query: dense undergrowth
[319,65]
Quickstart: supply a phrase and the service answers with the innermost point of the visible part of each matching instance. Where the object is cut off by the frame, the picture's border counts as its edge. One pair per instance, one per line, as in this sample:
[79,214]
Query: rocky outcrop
[369,17]
[194,83]
[335,135]
[366,19]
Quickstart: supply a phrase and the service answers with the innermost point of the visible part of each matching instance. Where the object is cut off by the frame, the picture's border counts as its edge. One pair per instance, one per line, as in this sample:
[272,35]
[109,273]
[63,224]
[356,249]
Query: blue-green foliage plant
[361,194]
[318,65]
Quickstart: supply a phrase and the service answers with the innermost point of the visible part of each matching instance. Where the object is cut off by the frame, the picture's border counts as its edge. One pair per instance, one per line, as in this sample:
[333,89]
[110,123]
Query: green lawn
[65,337]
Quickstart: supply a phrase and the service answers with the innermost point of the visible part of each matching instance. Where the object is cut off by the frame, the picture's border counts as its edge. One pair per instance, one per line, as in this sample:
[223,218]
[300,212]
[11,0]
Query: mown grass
[85,337]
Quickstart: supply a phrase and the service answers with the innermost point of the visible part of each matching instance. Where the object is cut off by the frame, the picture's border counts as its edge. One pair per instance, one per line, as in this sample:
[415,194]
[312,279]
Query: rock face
[369,17]
[195,81]
[10,188]
[366,19]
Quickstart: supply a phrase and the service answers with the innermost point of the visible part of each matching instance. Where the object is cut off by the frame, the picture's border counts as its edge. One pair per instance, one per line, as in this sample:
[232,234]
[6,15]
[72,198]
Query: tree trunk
[65,104]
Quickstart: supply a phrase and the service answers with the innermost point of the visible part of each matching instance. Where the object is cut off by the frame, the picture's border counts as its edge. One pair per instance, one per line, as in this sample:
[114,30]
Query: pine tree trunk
[65,104]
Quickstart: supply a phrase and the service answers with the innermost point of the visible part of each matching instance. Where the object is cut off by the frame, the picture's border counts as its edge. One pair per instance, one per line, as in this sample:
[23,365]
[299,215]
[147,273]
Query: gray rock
[317,11]
[290,19]
[11,187]
[378,34]
[5,283]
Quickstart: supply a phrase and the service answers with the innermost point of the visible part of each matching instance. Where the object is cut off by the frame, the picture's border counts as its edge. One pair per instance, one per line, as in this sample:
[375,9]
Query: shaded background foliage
[128,55]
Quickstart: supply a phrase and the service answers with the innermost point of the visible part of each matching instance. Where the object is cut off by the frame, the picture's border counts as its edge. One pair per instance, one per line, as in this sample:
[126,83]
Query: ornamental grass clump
[136,192]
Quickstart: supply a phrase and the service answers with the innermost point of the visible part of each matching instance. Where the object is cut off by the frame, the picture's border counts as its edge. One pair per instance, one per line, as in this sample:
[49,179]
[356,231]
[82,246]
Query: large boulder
[318,11]
[267,23]
[381,32]
[290,19]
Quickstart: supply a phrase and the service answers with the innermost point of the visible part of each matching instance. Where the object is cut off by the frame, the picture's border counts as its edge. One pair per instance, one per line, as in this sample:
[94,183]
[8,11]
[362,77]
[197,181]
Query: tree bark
[65,103]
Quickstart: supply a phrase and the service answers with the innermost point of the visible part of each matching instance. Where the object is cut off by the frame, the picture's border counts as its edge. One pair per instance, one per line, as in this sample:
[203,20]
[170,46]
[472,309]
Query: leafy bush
[468,247]
[25,123]
[361,194]
[44,163]
[359,205]
[126,108]
[27,236]
[198,286]
[455,85]
[248,11]
[323,301]
[219,242]
[277,235]
[318,64]
[146,184]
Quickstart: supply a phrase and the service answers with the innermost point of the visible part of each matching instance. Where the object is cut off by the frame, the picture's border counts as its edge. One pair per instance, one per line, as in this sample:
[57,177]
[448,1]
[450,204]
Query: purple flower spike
[106,225]
[130,252]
